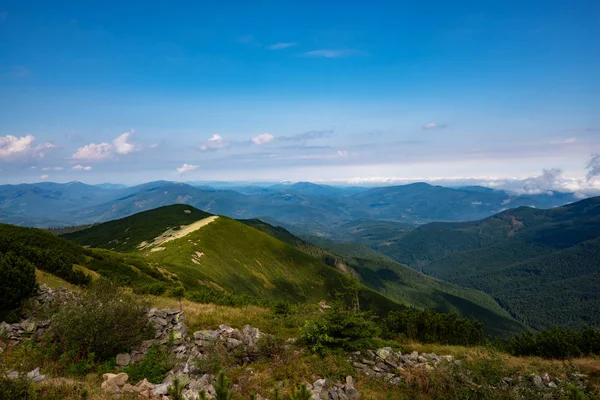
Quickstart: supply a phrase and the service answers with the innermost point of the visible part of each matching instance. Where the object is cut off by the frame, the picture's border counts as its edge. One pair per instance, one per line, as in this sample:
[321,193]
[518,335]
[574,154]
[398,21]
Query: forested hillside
[542,265]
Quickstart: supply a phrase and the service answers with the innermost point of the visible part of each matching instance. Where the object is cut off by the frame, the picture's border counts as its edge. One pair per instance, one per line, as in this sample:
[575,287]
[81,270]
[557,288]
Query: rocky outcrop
[29,328]
[169,326]
[389,365]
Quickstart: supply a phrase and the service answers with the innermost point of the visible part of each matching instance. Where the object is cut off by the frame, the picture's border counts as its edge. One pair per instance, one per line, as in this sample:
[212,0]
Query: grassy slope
[236,258]
[404,284]
[542,265]
[123,234]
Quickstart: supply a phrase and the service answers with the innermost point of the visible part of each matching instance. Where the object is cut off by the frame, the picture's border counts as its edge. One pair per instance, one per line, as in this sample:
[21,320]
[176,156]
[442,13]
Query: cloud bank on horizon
[386,93]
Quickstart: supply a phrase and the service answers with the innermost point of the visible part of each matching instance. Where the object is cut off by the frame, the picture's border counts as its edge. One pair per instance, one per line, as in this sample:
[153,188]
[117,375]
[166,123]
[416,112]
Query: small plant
[223,387]
[175,391]
[178,292]
[202,395]
[301,393]
[153,367]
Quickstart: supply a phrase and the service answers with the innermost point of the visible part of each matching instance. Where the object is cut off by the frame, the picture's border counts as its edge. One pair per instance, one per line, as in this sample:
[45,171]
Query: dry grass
[210,316]
[53,281]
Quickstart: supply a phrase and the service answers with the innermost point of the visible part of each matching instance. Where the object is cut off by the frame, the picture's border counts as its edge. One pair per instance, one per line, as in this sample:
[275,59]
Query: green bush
[17,283]
[45,251]
[429,326]
[153,367]
[16,389]
[557,343]
[339,329]
[106,321]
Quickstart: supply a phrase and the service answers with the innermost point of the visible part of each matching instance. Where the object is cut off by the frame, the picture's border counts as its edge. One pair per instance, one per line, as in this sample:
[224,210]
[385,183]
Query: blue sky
[299,90]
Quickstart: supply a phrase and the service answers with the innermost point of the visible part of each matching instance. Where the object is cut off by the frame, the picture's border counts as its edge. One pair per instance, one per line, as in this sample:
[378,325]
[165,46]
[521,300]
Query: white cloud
[215,142]
[123,145]
[93,152]
[434,125]
[283,45]
[186,167]
[342,153]
[153,146]
[80,167]
[44,177]
[100,151]
[15,147]
[334,53]
[263,138]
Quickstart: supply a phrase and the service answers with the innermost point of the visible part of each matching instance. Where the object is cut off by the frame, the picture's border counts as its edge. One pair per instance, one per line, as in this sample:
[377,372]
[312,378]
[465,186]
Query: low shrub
[17,283]
[16,389]
[339,329]
[429,326]
[559,343]
[153,288]
[153,367]
[105,322]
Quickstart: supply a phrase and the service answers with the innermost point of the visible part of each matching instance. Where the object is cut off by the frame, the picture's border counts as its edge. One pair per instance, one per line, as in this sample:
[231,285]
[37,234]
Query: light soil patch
[154,250]
[196,257]
[174,234]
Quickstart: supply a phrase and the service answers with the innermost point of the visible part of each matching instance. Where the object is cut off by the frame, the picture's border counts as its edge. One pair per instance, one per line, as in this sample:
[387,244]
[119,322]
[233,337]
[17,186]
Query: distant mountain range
[303,207]
[543,266]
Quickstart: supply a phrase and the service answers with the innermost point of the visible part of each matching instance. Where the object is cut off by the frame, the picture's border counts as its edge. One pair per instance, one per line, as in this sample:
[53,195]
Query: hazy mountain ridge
[309,207]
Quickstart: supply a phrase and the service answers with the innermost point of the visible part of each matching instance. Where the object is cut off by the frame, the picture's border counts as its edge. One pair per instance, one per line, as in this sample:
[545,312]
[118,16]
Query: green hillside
[541,265]
[224,255]
[401,283]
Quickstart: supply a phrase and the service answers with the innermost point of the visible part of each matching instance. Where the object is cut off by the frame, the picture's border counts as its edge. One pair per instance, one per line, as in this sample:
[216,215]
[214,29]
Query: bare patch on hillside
[177,233]
[515,224]
[196,257]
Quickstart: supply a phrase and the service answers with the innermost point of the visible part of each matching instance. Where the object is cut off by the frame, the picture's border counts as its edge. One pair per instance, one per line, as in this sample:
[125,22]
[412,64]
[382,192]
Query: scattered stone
[123,359]
[114,381]
[536,380]
[384,352]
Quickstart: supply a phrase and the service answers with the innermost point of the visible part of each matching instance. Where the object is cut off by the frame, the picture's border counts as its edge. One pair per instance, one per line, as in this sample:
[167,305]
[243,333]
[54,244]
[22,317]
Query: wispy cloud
[80,167]
[52,169]
[593,167]
[569,140]
[263,138]
[215,142]
[334,53]
[306,136]
[44,177]
[282,45]
[434,125]
[186,167]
